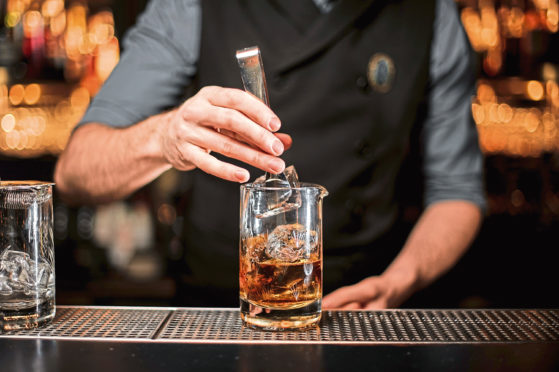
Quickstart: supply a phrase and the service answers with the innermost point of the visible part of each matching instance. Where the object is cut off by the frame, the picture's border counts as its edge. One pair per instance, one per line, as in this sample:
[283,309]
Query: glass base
[267,319]
[27,318]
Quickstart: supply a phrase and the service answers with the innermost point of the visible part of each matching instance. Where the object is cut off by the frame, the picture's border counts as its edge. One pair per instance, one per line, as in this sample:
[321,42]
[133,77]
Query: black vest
[347,136]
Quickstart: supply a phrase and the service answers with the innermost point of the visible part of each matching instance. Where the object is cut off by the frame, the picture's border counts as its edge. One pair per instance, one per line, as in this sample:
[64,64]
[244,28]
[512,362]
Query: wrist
[157,136]
[403,283]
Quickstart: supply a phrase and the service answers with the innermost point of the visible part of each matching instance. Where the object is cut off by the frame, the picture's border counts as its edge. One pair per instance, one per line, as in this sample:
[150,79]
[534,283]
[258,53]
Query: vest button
[363,84]
[363,148]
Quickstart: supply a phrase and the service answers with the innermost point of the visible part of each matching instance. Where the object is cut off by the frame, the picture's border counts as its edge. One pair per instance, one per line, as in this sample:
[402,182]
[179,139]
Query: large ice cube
[291,176]
[283,199]
[254,247]
[15,266]
[290,243]
[19,272]
[11,259]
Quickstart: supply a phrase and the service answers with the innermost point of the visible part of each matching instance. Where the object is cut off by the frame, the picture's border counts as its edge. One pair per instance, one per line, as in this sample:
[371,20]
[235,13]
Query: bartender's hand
[372,293]
[440,237]
[228,121]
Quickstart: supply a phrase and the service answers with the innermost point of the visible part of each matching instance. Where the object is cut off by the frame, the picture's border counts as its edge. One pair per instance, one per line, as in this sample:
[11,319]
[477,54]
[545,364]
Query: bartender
[352,85]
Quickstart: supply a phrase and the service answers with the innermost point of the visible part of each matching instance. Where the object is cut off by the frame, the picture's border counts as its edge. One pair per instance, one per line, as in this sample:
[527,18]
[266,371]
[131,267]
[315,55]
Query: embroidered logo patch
[380,72]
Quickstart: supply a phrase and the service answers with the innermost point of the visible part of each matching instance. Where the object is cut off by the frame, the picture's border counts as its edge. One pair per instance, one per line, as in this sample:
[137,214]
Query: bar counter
[152,339]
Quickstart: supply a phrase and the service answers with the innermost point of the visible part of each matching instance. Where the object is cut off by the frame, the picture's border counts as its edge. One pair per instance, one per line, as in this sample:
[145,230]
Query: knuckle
[209,89]
[184,156]
[218,170]
[224,171]
[230,97]
[228,119]
[227,148]
[182,160]
[188,111]
[256,158]
[182,134]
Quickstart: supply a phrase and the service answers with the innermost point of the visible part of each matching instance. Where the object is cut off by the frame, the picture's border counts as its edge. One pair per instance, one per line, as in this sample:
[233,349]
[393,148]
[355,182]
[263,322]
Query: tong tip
[247,52]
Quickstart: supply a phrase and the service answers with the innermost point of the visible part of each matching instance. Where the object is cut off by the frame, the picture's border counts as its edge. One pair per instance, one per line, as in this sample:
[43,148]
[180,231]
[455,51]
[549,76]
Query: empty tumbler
[27,285]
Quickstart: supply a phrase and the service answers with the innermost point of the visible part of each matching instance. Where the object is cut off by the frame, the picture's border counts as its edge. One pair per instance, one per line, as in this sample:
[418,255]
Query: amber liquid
[281,285]
[271,290]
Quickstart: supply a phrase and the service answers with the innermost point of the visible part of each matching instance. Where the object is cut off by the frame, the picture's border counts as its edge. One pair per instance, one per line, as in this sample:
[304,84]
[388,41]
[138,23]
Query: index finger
[285,138]
[246,103]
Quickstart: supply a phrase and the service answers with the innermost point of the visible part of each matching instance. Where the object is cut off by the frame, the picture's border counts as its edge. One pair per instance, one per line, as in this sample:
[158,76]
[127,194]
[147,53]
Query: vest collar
[301,13]
[322,33]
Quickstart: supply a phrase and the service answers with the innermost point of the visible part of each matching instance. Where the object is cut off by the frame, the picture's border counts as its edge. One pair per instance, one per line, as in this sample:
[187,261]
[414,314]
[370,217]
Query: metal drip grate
[369,327]
[196,325]
[93,323]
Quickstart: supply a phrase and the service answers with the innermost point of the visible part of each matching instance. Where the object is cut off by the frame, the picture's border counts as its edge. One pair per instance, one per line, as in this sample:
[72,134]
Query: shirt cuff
[464,187]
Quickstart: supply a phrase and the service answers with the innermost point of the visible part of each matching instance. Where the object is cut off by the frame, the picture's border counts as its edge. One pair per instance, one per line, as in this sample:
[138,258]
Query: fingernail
[274,124]
[276,165]
[277,147]
[241,176]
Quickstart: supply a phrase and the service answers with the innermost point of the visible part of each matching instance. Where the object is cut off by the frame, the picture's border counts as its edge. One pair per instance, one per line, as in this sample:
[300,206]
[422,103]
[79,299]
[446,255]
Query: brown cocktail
[281,256]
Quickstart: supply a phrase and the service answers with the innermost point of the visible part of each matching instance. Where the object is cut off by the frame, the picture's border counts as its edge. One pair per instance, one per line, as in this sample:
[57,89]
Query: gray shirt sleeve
[453,165]
[159,59]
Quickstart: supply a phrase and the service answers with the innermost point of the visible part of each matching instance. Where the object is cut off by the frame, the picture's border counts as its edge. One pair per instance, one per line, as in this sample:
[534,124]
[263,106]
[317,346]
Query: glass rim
[22,185]
[303,186]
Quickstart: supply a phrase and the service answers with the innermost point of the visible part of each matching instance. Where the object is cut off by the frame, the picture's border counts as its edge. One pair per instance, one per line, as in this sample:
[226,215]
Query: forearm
[102,164]
[440,238]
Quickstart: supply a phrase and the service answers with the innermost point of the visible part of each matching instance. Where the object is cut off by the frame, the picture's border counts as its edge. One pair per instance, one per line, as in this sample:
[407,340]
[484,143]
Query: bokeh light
[38,116]
[8,123]
[32,93]
[534,90]
[17,92]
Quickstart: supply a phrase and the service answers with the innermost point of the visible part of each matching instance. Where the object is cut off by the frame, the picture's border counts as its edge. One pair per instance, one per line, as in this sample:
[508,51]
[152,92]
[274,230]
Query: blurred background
[55,55]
